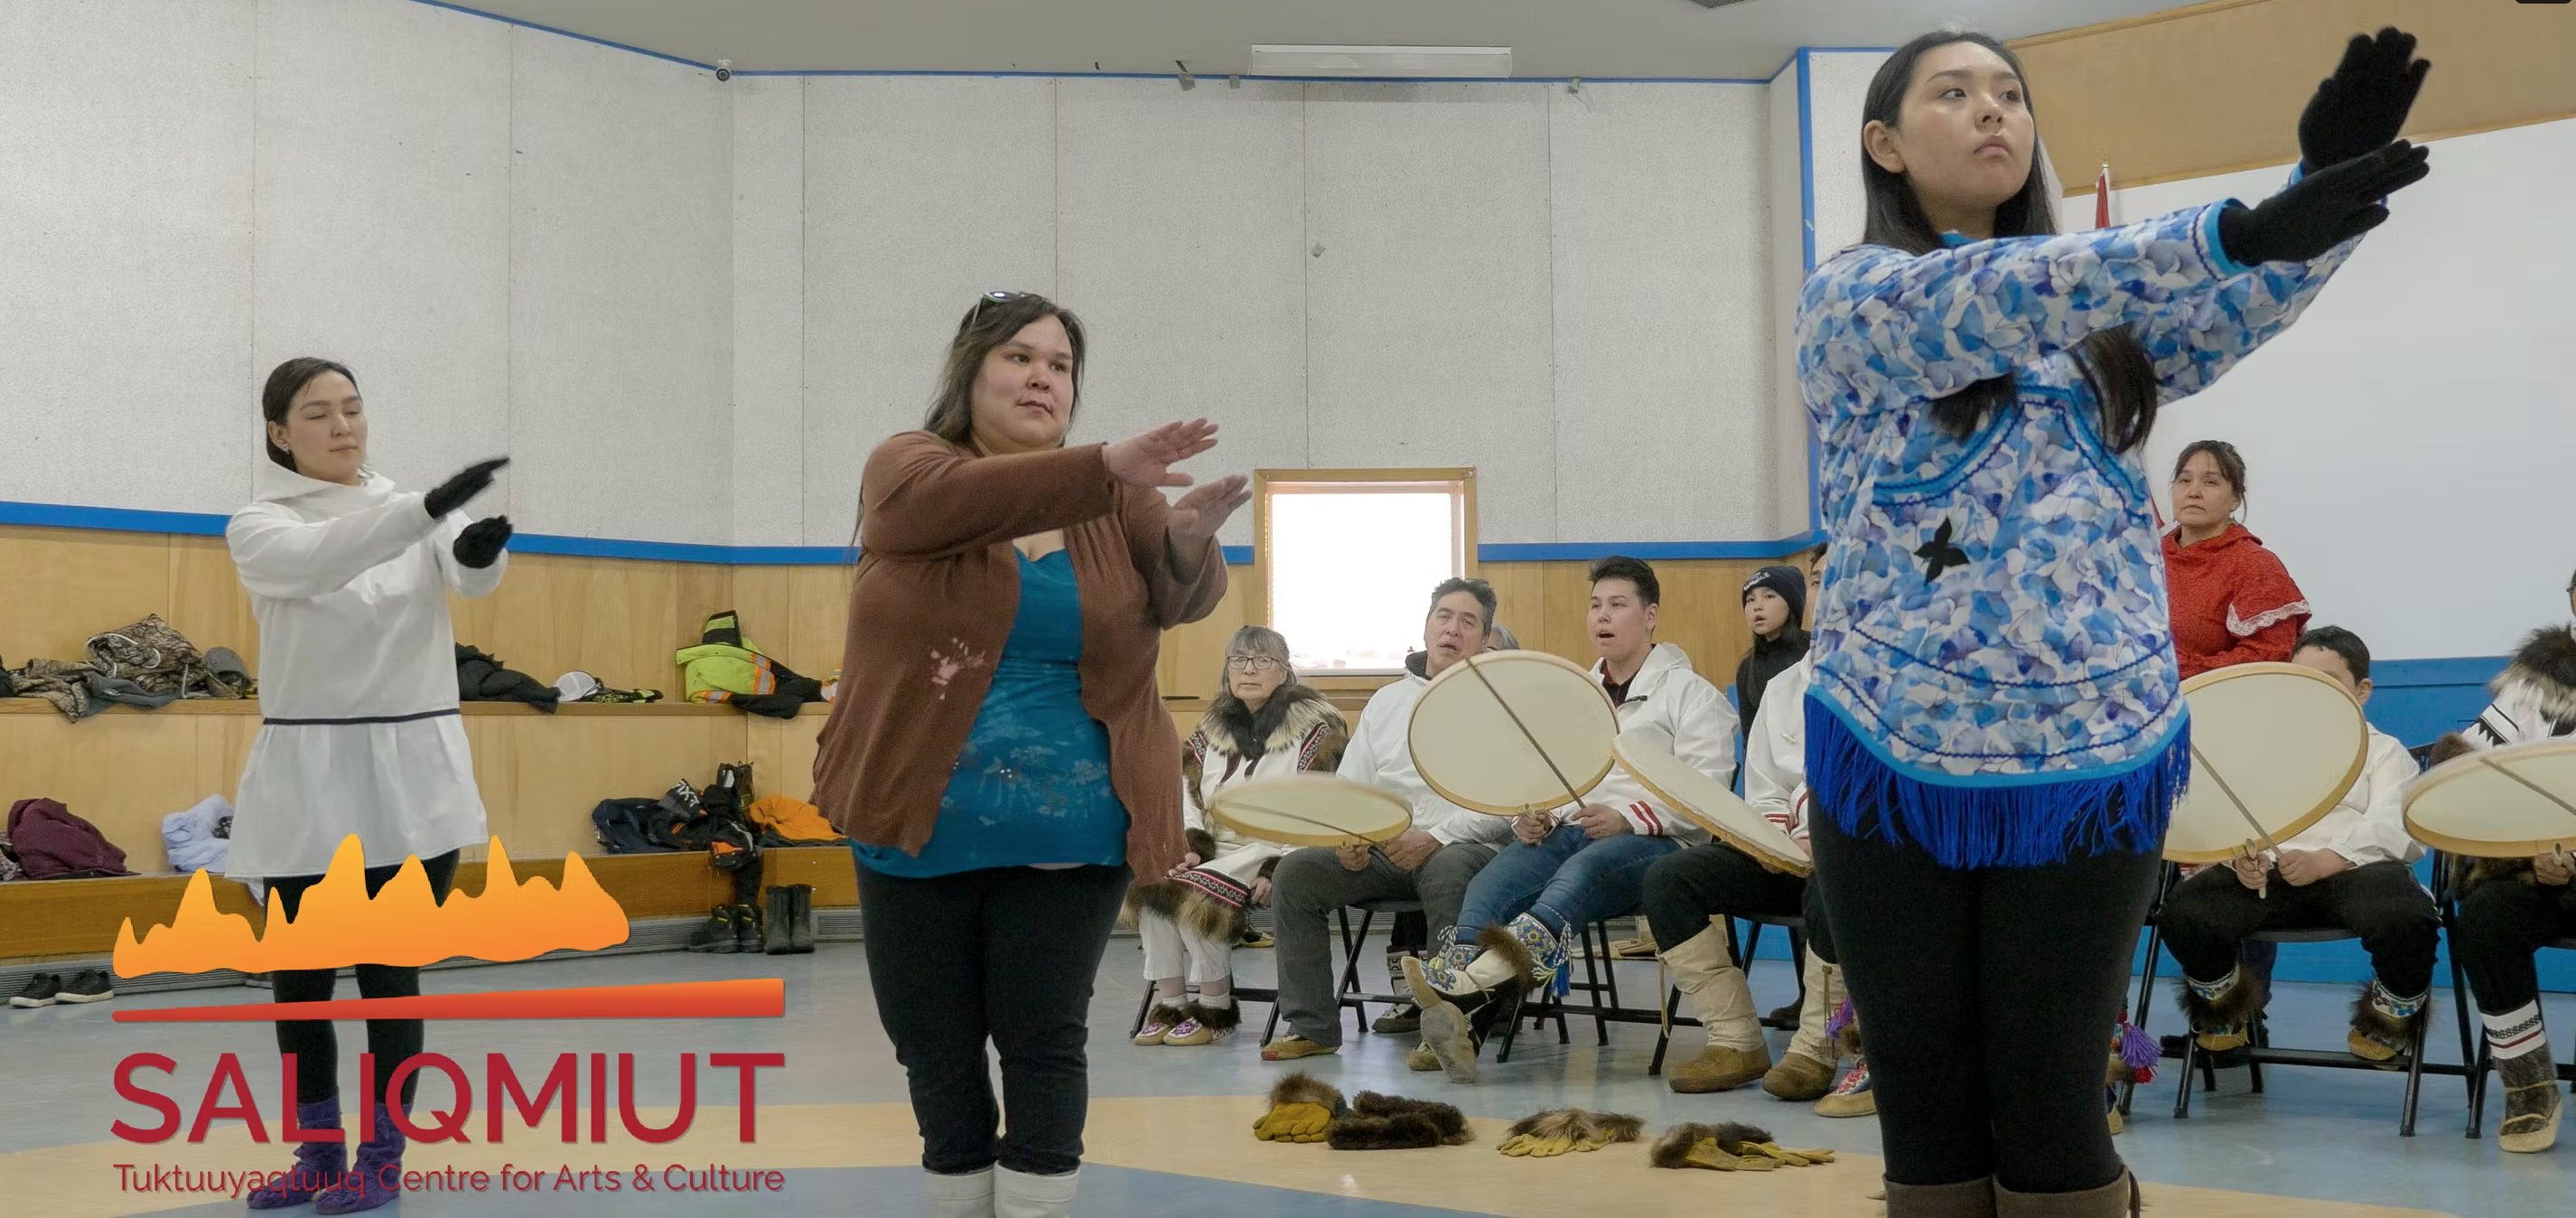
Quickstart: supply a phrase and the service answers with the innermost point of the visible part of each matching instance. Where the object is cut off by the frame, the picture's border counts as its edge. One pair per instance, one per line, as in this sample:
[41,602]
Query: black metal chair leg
[1146,1008]
[2191,1056]
[1664,1033]
[2414,1075]
[2262,1032]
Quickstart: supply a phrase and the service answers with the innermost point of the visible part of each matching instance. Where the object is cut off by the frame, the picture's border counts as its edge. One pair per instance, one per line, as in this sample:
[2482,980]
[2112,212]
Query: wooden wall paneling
[565,764]
[207,602]
[2218,87]
[222,745]
[1519,595]
[761,601]
[818,612]
[791,772]
[1192,653]
[81,917]
[120,772]
[68,584]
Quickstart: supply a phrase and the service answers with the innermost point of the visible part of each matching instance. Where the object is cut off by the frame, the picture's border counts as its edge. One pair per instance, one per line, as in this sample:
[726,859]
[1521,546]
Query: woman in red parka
[2233,602]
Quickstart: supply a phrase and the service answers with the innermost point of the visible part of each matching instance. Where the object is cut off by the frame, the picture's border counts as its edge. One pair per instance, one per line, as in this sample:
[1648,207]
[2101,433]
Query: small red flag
[2102,198]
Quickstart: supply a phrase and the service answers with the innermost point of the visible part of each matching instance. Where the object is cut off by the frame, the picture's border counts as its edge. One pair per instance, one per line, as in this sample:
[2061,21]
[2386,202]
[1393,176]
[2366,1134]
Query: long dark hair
[2114,363]
[278,397]
[994,319]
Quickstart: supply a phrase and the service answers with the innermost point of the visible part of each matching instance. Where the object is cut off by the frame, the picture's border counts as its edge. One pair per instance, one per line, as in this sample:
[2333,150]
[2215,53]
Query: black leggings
[315,1046]
[1986,1003]
[2501,923]
[1006,954]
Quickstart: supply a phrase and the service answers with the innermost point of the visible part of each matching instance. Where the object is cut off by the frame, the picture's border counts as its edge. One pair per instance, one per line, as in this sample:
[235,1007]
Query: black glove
[2318,212]
[471,481]
[2363,106]
[479,546]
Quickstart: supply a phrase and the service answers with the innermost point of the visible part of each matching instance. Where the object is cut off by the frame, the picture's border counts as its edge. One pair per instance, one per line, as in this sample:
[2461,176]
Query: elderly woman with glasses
[1263,723]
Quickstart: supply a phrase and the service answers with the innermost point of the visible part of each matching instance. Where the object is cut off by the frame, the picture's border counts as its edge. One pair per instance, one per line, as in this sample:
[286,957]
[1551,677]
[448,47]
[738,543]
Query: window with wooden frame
[1344,560]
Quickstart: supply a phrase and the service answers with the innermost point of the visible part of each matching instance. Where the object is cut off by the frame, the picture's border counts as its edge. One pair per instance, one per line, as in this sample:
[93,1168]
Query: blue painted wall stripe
[207,524]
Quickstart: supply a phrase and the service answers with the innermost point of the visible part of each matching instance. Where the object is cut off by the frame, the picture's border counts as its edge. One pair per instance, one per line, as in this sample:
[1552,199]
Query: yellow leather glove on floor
[1302,1109]
[1727,1146]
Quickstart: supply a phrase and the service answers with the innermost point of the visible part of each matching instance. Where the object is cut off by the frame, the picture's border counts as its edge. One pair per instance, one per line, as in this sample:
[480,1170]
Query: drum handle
[2264,892]
[1570,793]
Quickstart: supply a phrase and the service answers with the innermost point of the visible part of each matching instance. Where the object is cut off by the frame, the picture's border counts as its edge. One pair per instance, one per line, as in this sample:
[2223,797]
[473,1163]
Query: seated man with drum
[2352,870]
[1588,859]
[1432,862]
[1690,893]
[2511,906]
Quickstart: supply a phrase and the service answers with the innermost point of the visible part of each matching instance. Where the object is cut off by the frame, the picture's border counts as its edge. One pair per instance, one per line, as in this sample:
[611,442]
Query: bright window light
[1349,565]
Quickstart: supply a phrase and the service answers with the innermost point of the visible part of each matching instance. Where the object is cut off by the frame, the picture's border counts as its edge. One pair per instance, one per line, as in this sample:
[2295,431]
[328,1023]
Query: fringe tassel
[1964,827]
[1842,1019]
[2137,1051]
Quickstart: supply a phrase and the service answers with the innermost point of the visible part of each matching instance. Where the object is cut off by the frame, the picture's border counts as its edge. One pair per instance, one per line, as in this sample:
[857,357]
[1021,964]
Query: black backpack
[625,826]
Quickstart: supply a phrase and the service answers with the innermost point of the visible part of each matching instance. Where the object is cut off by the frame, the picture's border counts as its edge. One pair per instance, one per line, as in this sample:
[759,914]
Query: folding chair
[1350,995]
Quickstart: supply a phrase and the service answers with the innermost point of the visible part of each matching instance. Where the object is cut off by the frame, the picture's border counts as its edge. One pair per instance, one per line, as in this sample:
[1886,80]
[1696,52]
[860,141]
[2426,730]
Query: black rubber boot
[781,936]
[716,934]
[800,930]
[746,920]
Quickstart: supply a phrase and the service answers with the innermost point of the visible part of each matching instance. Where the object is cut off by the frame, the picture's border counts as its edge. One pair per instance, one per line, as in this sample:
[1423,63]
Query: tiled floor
[1167,1133]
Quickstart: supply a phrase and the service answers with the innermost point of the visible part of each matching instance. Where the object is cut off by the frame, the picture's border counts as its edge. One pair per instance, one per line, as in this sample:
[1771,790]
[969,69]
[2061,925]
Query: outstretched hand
[1198,515]
[2363,106]
[1146,458]
[467,483]
[2324,209]
[481,543]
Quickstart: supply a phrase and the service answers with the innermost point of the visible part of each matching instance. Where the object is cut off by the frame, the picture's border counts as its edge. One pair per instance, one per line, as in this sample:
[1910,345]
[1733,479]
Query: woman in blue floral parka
[1995,735]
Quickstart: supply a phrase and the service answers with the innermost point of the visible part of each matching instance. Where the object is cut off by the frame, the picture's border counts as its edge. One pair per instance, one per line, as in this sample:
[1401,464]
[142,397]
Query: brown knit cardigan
[937,587]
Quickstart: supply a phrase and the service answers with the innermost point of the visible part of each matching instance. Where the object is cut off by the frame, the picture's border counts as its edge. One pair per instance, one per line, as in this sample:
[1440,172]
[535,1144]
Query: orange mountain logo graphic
[338,924]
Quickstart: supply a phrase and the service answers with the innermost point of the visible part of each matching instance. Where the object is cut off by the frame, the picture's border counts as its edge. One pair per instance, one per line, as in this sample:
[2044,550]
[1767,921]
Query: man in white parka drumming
[359,735]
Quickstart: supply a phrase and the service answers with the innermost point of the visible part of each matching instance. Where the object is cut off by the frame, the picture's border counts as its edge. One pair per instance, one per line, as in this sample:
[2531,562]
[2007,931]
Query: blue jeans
[1567,879]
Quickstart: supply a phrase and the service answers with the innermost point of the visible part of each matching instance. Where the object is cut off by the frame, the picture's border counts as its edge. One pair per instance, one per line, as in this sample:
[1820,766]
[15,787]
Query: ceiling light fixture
[1271,60]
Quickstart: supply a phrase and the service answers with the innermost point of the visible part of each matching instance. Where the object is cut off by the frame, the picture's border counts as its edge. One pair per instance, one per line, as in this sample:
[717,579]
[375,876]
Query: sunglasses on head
[990,298]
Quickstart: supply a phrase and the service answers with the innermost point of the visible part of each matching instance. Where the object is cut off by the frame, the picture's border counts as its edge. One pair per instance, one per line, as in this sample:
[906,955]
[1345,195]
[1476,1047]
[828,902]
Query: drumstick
[2491,764]
[2264,890]
[1570,793]
[1364,839]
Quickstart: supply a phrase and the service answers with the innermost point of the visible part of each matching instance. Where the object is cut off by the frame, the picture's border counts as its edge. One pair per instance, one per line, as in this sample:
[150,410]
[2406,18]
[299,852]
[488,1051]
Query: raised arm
[283,558]
[922,497]
[1899,327]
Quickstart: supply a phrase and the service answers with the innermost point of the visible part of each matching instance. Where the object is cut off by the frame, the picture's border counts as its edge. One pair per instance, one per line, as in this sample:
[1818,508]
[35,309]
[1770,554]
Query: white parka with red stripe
[1671,700]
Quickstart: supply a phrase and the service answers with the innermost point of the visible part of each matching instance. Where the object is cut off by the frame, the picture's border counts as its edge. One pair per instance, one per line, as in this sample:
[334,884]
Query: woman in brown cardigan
[998,749]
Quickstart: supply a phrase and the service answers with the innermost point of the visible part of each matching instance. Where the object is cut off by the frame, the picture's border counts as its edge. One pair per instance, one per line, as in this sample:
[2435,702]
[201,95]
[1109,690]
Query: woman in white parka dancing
[360,735]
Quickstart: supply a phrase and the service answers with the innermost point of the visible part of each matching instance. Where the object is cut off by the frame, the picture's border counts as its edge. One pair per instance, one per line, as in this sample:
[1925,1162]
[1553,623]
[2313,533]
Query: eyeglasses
[990,298]
[1251,663]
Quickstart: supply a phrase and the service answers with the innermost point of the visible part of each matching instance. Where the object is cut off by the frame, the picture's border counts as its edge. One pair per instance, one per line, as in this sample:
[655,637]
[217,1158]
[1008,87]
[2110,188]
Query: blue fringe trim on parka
[2023,824]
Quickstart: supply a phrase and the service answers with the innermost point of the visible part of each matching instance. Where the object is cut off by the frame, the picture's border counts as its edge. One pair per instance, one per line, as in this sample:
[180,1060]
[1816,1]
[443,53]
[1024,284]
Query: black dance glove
[2363,106]
[2318,212]
[471,481]
[480,545]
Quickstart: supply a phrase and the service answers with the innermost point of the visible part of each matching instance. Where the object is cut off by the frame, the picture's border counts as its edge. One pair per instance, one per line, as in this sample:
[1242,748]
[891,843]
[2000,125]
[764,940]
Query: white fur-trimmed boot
[1456,985]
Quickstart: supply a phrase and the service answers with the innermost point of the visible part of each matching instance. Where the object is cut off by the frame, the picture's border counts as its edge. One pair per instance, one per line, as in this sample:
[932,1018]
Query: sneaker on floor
[1291,1047]
[1402,1017]
[1851,1097]
[42,990]
[1784,1018]
[1255,939]
[90,985]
